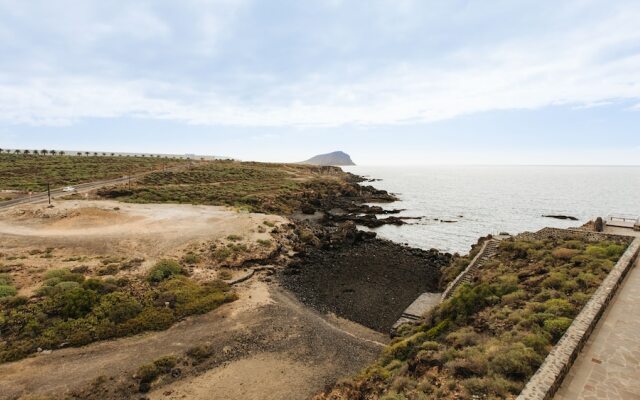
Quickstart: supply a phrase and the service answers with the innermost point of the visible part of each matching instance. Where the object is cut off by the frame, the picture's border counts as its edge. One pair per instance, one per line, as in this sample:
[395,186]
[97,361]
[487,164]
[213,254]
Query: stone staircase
[427,301]
[488,250]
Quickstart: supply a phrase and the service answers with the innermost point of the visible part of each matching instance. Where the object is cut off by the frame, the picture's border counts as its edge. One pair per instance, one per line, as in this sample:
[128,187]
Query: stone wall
[547,380]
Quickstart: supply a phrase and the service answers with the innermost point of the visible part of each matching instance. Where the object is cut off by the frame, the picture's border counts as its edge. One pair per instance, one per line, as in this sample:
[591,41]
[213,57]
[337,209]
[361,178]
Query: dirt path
[290,351]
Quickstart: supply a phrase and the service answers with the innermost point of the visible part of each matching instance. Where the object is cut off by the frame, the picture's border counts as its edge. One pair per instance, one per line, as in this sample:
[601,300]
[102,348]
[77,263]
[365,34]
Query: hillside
[31,172]
[337,158]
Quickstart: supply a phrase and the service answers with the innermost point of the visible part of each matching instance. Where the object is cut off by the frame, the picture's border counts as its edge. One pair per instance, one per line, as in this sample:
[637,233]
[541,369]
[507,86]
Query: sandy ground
[87,232]
[267,345]
[101,226]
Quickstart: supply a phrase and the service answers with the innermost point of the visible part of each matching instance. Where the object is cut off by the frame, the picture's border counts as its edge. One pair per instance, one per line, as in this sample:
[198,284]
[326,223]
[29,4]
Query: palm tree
[79,153]
[26,152]
[16,151]
[113,154]
[86,153]
[62,152]
[43,152]
[53,152]
[104,154]
[95,154]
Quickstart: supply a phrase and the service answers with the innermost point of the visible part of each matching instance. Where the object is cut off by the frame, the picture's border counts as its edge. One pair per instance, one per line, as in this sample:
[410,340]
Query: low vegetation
[257,187]
[31,172]
[148,373]
[72,310]
[490,336]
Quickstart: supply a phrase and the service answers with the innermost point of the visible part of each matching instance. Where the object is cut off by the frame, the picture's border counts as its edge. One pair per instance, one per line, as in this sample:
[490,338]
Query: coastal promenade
[608,367]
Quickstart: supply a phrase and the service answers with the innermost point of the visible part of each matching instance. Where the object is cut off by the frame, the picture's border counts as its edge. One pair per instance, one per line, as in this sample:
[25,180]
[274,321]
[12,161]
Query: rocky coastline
[340,269]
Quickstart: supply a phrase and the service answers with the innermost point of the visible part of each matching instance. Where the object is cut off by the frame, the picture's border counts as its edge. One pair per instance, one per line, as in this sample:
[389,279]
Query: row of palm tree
[80,153]
[43,152]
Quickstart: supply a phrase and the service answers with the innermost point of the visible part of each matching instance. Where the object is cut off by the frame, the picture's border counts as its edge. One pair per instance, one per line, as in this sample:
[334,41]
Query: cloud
[585,64]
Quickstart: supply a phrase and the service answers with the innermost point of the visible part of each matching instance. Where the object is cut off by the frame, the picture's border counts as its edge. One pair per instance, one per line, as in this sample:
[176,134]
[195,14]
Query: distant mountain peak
[338,158]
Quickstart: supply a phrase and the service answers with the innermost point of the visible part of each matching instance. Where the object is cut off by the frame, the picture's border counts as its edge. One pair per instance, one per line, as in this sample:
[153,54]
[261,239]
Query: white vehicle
[69,189]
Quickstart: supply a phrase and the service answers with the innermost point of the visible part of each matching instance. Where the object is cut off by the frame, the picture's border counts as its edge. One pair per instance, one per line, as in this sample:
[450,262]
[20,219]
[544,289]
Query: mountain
[337,158]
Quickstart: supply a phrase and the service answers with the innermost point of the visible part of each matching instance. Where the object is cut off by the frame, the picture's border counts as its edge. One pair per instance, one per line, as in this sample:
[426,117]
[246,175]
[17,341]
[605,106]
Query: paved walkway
[609,365]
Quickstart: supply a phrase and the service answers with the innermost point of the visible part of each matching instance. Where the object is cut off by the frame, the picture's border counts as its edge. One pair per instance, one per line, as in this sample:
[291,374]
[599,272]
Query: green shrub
[514,297]
[199,353]
[463,337]
[399,350]
[151,319]
[469,363]
[491,386]
[222,253]
[191,258]
[62,275]
[564,254]
[147,373]
[537,342]
[554,280]
[515,361]
[5,280]
[264,242]
[557,326]
[559,307]
[165,364]
[73,303]
[7,291]
[163,270]
[66,285]
[234,238]
[99,286]
[118,307]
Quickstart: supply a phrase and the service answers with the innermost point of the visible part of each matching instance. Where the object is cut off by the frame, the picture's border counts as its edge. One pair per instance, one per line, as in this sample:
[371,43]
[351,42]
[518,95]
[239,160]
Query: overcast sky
[388,81]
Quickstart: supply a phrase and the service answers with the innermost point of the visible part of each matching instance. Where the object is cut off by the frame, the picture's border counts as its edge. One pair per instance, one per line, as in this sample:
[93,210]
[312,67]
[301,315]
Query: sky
[391,82]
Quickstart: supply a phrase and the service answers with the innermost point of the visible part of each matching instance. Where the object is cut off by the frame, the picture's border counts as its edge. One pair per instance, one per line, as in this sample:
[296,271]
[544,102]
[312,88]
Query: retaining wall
[547,380]
[469,270]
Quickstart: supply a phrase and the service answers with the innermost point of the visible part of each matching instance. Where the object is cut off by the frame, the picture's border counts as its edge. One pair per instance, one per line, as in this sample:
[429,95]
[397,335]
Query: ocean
[494,199]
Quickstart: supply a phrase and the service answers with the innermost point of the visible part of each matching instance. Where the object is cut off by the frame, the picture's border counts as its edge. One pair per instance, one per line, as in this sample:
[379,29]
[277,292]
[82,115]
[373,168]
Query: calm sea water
[490,199]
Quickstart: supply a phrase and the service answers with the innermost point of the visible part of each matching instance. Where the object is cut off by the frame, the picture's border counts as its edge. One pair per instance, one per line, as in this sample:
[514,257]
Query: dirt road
[267,346]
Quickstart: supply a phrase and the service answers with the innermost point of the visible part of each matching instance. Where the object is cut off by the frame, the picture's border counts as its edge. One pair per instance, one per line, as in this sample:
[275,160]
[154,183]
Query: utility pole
[49,192]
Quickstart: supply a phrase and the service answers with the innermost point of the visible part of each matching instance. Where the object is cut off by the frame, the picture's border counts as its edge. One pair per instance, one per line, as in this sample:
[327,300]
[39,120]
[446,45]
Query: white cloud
[574,67]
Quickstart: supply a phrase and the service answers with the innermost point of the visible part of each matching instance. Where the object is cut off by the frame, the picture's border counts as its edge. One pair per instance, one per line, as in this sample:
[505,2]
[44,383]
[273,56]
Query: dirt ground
[267,346]
[34,238]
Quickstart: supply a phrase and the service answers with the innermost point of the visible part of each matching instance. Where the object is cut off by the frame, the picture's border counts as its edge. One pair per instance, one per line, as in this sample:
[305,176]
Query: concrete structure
[623,221]
[423,304]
